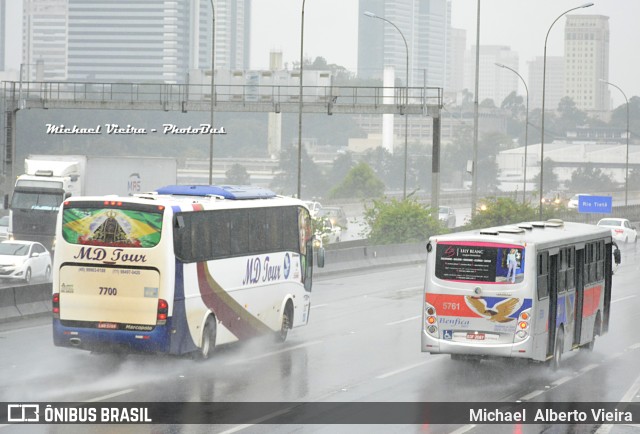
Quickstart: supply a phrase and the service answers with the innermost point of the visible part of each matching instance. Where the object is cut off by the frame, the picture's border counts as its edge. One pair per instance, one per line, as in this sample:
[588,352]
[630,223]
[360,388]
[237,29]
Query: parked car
[335,214]
[22,260]
[621,229]
[447,215]
[573,202]
[4,227]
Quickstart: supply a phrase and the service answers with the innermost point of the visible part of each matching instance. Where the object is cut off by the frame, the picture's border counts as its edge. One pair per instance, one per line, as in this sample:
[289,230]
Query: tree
[590,179]
[502,211]
[400,221]
[237,175]
[550,179]
[361,182]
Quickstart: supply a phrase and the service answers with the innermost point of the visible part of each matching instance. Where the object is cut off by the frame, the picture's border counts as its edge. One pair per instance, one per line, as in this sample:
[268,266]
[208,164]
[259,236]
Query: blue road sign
[595,204]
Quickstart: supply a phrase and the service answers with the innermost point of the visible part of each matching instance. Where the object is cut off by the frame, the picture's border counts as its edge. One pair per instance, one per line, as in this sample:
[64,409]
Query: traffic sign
[595,204]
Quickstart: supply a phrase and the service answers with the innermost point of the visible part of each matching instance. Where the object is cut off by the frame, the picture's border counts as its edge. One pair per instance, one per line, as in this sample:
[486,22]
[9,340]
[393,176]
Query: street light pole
[526,131]
[474,173]
[213,93]
[626,165]
[300,104]
[544,83]
[406,100]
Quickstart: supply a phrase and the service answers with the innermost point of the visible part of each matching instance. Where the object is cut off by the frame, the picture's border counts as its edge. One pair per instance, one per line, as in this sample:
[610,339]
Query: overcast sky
[331,31]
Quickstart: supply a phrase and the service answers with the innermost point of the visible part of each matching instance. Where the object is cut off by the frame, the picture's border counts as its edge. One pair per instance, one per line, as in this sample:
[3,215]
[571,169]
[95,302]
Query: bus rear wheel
[208,339]
[596,332]
[287,321]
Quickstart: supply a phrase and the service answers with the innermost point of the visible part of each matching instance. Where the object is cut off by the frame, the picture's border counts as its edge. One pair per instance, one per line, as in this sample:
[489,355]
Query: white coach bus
[533,290]
[180,270]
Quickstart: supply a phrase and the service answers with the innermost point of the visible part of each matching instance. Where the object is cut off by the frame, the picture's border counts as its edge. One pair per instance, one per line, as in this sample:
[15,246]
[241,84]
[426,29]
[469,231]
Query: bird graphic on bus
[498,313]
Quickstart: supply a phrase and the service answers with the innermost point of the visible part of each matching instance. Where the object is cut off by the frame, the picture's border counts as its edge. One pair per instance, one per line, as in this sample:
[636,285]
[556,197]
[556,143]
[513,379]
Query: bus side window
[543,275]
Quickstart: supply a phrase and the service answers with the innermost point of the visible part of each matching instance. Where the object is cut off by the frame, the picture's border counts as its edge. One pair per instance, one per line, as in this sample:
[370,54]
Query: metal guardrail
[232,98]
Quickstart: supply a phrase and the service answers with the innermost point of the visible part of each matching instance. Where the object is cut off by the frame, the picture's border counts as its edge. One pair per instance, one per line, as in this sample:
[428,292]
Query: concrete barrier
[367,257]
[8,309]
[24,300]
[33,299]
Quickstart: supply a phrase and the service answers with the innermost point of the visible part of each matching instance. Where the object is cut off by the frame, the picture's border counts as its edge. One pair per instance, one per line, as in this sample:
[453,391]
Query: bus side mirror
[617,258]
[320,257]
[5,202]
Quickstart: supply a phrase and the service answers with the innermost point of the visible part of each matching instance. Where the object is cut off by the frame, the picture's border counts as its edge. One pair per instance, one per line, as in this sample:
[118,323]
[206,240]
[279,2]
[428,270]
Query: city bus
[533,290]
[181,270]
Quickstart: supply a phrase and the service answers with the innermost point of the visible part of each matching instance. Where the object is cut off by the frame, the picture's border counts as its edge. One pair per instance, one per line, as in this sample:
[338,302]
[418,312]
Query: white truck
[49,179]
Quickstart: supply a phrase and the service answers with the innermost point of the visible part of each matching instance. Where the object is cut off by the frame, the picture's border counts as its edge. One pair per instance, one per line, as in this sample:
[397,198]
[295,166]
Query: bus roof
[233,192]
[543,234]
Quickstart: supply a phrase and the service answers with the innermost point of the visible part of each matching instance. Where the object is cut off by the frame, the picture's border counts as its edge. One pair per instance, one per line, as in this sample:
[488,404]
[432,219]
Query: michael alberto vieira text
[550,415]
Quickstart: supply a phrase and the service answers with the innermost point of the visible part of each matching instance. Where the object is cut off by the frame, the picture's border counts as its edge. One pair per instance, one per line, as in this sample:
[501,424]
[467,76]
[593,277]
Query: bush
[400,221]
[502,211]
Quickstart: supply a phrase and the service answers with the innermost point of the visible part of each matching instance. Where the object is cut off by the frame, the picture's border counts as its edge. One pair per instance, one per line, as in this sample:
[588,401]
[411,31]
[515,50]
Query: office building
[586,58]
[425,25]
[44,40]
[232,38]
[554,85]
[494,83]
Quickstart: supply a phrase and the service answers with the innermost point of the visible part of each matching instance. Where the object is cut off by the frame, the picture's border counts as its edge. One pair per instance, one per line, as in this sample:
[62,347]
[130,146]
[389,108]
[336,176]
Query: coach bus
[181,270]
[533,290]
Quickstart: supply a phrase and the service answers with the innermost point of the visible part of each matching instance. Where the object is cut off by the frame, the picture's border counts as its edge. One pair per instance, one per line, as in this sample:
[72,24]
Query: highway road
[362,345]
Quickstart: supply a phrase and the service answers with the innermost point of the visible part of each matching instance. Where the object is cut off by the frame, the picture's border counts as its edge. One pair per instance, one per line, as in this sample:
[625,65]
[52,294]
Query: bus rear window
[112,227]
[480,262]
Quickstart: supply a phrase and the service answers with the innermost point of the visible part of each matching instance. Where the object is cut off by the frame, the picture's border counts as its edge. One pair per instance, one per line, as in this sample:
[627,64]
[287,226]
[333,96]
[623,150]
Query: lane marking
[111,395]
[404,320]
[463,429]
[562,381]
[588,368]
[273,353]
[313,306]
[256,422]
[635,346]
[406,368]
[623,298]
[532,395]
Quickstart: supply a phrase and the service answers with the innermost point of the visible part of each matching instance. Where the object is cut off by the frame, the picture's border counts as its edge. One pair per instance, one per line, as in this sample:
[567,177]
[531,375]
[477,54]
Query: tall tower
[44,40]
[232,39]
[586,57]
[425,25]
[128,40]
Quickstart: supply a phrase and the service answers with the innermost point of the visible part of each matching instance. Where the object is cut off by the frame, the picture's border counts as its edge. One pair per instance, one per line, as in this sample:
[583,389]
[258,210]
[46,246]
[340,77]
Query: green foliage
[590,178]
[361,182]
[237,175]
[502,211]
[400,221]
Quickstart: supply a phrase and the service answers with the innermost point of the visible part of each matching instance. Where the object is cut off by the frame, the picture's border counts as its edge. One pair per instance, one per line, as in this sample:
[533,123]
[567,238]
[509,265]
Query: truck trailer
[49,179]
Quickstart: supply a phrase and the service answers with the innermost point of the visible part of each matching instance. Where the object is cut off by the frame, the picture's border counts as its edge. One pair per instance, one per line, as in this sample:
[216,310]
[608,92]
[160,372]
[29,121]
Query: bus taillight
[523,325]
[431,320]
[55,305]
[163,311]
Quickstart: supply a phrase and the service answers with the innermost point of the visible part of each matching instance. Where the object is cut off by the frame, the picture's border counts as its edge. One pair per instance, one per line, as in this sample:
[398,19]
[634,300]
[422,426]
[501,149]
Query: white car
[621,229]
[22,260]
[447,216]
[328,232]
[573,202]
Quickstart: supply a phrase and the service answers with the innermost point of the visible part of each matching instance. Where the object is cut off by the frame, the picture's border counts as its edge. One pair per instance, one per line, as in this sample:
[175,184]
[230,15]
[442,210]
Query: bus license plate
[475,336]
